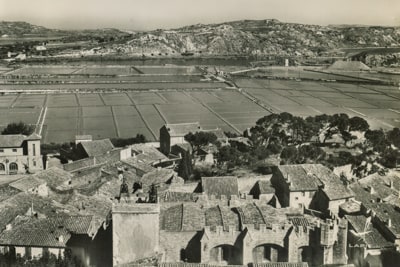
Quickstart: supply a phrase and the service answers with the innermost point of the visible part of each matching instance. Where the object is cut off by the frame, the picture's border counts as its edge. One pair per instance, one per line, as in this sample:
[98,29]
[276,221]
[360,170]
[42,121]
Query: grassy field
[148,97]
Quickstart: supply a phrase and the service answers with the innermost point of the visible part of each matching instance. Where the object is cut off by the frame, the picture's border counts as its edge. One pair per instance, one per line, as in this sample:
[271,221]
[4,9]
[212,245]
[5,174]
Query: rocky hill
[246,37]
[20,28]
[261,37]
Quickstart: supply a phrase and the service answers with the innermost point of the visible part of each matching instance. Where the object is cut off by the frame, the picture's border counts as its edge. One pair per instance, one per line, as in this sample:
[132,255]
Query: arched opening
[2,168]
[304,254]
[225,255]
[269,253]
[13,168]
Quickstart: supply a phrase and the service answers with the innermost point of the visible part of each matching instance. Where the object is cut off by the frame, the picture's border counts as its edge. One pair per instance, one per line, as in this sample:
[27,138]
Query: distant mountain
[244,37]
[20,28]
[264,37]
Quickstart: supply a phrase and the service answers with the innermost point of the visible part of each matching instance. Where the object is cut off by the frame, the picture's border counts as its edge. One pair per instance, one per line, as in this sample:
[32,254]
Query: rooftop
[309,177]
[368,235]
[97,147]
[12,140]
[27,183]
[383,186]
[55,177]
[299,179]
[218,186]
[148,153]
[45,232]
[263,214]
[333,186]
[181,129]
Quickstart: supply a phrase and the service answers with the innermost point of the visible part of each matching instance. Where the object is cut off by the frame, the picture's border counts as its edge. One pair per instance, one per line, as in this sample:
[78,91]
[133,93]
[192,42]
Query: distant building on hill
[20,153]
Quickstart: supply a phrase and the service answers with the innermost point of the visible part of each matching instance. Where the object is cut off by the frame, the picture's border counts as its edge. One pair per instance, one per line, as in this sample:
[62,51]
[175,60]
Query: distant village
[138,205]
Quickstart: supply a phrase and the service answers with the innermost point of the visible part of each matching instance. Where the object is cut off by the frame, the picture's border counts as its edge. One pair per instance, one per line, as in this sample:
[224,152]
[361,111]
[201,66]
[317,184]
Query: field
[122,101]
[108,115]
[378,104]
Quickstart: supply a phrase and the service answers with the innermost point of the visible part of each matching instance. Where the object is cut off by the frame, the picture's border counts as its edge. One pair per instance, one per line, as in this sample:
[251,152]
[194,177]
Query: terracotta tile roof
[21,203]
[55,177]
[299,179]
[386,211]
[218,186]
[46,232]
[309,177]
[265,187]
[181,129]
[157,176]
[333,186]
[194,217]
[27,183]
[148,153]
[6,192]
[97,147]
[221,216]
[12,140]
[33,136]
[264,214]
[383,186]
[139,164]
[96,206]
[370,235]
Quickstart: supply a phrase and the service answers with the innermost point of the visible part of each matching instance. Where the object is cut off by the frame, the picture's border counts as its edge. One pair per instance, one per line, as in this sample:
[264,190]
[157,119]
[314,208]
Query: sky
[166,14]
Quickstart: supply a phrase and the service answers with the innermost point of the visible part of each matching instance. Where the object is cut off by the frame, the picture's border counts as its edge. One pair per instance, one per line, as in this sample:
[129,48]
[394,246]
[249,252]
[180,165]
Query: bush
[18,128]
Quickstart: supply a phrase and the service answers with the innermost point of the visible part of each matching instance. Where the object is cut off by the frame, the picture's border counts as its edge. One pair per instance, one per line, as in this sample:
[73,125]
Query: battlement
[263,228]
[135,208]
[219,230]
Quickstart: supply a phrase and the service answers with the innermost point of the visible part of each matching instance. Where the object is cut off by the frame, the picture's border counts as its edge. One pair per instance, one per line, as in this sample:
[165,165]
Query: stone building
[227,235]
[220,226]
[172,134]
[310,186]
[20,153]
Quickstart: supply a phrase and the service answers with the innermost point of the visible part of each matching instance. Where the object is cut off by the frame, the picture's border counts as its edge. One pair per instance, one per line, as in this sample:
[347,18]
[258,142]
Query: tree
[377,139]
[393,137]
[201,138]
[18,128]
[358,124]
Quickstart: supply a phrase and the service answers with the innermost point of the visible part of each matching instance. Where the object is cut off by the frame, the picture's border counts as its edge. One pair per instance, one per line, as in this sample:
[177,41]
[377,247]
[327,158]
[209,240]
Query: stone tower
[135,231]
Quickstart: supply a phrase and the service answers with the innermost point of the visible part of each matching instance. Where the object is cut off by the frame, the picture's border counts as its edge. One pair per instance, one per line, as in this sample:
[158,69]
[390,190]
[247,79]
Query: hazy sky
[153,14]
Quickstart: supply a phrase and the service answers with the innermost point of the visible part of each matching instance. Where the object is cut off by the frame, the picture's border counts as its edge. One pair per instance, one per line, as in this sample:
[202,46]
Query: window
[14,150]
[2,167]
[34,150]
[34,163]
[304,194]
[296,198]
[13,167]
[1,150]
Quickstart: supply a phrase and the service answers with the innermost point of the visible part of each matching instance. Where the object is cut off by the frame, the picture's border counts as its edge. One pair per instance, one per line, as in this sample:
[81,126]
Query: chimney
[61,239]
[8,227]
[389,222]
[371,190]
[391,184]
